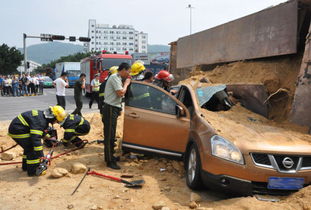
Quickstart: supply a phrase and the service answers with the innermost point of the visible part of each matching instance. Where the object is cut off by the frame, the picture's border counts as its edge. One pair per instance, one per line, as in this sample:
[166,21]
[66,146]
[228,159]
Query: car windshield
[73,73]
[109,62]
[47,79]
[213,98]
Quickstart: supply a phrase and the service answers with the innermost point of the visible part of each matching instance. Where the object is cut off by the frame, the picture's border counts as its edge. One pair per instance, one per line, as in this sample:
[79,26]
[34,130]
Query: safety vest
[96,85]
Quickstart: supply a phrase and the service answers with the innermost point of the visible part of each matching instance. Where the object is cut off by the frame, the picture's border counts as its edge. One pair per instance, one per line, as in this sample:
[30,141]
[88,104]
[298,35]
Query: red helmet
[165,75]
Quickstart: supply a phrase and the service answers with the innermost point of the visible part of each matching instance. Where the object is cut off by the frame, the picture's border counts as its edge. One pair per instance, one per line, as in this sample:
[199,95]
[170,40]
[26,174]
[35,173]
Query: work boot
[113,165]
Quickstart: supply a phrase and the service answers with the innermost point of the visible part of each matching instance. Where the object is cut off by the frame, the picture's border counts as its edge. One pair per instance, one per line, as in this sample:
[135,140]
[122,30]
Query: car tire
[193,168]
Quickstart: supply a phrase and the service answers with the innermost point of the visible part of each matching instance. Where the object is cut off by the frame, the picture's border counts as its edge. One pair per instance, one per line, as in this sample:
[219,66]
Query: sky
[164,20]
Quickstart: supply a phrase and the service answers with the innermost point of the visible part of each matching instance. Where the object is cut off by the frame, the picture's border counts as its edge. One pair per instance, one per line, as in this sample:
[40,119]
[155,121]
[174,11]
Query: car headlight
[224,149]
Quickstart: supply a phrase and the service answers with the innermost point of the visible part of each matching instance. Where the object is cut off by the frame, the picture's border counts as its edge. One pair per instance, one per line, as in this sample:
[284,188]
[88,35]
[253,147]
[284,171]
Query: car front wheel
[193,169]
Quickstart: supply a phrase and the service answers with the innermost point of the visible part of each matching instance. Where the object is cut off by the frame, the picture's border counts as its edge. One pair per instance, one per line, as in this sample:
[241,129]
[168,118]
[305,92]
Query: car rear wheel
[193,169]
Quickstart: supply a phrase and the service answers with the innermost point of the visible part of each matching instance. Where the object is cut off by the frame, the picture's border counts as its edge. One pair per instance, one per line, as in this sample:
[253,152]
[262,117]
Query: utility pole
[25,56]
[48,37]
[190,8]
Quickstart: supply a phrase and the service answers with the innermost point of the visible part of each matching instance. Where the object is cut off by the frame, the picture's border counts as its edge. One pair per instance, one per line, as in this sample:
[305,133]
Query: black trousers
[79,105]
[61,101]
[31,158]
[94,96]
[110,116]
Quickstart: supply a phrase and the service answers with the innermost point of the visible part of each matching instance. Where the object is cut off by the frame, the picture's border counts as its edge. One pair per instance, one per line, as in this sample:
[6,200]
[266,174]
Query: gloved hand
[50,142]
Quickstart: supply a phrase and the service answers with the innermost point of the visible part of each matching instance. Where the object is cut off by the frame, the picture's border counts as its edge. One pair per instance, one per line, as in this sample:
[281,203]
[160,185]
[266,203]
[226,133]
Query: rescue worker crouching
[75,126]
[28,128]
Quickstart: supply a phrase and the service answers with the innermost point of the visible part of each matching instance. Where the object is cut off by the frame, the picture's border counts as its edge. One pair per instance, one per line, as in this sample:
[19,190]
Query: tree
[10,59]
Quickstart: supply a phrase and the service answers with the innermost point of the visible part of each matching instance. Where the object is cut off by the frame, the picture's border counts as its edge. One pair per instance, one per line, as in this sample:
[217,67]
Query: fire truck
[100,64]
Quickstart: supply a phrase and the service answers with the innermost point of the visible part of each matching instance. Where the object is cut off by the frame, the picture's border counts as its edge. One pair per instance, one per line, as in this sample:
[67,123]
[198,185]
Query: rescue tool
[86,172]
[44,164]
[129,184]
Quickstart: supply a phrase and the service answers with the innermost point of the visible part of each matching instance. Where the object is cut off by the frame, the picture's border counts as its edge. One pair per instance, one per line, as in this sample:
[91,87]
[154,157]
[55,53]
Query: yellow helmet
[59,113]
[136,68]
[113,70]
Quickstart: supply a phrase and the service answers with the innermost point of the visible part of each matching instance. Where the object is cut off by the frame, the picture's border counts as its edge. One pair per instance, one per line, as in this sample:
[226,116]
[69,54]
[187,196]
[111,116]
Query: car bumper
[229,184]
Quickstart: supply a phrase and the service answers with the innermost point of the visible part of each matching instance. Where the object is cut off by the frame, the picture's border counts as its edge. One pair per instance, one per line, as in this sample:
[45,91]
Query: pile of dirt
[165,183]
[273,73]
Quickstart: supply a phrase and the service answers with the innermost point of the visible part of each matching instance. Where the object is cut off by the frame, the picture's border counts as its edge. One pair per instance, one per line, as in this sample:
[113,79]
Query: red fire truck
[100,64]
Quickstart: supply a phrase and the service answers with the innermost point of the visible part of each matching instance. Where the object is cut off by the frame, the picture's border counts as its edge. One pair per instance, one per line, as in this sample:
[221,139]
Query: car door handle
[134,115]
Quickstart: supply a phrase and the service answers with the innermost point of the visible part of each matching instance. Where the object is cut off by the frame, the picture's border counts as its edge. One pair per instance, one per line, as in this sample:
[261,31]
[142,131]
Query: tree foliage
[10,59]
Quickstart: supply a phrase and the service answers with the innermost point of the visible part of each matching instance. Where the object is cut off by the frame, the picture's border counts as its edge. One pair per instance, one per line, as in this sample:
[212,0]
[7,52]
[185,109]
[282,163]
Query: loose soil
[165,181]
[274,73]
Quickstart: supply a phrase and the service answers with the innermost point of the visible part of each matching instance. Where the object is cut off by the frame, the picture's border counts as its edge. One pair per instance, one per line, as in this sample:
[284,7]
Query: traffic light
[58,37]
[72,38]
[28,65]
[84,39]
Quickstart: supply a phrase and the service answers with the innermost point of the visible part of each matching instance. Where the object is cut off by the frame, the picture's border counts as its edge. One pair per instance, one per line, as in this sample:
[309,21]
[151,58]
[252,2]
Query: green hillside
[47,52]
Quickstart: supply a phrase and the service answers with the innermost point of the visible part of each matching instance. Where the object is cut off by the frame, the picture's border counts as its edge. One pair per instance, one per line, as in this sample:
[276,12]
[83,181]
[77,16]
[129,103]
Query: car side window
[150,98]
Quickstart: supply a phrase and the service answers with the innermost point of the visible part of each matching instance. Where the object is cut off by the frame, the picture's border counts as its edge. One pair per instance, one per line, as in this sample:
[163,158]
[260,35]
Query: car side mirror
[180,112]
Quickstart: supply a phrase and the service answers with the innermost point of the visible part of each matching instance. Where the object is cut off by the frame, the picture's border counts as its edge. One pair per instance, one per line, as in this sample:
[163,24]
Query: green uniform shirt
[114,84]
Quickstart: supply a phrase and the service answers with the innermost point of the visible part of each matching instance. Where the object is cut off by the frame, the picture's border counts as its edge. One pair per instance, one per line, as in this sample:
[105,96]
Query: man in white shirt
[60,84]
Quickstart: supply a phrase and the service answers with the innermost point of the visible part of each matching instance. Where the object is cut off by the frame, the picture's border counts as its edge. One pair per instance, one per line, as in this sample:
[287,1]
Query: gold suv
[224,146]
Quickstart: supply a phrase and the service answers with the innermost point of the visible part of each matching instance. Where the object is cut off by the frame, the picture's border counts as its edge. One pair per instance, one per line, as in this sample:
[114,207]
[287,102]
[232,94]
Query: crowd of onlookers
[21,85]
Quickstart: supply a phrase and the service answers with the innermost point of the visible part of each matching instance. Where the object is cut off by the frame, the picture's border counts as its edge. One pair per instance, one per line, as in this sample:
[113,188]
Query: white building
[116,38]
[32,66]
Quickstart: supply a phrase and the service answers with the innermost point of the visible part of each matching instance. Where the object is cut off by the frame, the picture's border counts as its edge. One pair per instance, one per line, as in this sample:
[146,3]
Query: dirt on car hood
[252,132]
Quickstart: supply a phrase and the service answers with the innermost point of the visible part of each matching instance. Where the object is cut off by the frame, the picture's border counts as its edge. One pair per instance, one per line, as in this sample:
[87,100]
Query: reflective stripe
[72,117]
[20,117]
[72,138]
[97,84]
[48,135]
[82,121]
[34,113]
[35,161]
[101,94]
[38,132]
[70,130]
[142,96]
[64,140]
[19,136]
[39,148]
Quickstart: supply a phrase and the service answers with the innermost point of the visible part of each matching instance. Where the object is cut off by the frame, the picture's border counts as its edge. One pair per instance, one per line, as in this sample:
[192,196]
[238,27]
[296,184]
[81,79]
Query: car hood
[254,133]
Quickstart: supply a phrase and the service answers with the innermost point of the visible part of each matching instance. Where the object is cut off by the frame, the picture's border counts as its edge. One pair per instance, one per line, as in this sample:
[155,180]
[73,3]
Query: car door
[151,122]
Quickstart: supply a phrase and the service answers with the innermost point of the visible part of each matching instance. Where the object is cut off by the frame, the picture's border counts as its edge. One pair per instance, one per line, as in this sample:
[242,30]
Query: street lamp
[190,8]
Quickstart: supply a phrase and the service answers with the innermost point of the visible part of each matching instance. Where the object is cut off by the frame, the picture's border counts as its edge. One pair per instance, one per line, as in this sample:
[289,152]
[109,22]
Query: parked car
[266,160]
[47,82]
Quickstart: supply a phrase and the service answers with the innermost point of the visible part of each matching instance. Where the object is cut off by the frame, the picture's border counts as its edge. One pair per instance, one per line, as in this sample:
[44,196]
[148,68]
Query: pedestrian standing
[40,78]
[32,85]
[6,86]
[24,81]
[1,84]
[60,84]
[114,91]
[78,87]
[36,83]
[95,91]
[10,90]
[28,84]
[15,86]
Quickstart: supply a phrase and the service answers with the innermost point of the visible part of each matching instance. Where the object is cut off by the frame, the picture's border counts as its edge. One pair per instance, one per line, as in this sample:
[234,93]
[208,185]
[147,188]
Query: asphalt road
[11,106]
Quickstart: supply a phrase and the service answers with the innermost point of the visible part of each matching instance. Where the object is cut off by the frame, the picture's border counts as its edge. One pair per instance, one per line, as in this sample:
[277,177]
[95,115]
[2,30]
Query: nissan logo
[288,162]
